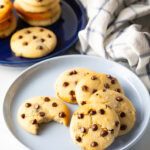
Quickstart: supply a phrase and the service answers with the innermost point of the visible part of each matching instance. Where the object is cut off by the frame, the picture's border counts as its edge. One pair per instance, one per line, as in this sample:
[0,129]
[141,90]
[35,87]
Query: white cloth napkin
[118,30]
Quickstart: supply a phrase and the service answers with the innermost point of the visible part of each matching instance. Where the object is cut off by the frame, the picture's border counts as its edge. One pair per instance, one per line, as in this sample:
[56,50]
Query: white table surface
[7,141]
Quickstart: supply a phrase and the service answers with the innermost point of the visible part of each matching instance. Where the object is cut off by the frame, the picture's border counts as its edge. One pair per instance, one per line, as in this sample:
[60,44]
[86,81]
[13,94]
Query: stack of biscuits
[7,19]
[104,112]
[38,12]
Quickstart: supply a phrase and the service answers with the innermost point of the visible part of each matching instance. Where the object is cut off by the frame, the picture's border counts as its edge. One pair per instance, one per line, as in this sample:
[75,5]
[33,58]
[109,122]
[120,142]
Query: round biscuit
[5,33]
[37,16]
[6,24]
[43,22]
[39,2]
[94,126]
[35,9]
[33,42]
[5,9]
[66,83]
[37,110]
[121,104]
[91,83]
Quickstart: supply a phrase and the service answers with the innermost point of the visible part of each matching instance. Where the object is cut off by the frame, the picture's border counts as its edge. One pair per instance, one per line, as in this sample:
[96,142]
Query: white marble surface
[7,142]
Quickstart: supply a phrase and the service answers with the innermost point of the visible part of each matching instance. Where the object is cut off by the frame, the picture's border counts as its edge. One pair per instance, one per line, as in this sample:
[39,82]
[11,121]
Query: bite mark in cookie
[39,110]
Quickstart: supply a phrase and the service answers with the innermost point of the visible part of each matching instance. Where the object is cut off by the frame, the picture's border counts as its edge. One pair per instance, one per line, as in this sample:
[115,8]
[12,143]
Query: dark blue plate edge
[83,19]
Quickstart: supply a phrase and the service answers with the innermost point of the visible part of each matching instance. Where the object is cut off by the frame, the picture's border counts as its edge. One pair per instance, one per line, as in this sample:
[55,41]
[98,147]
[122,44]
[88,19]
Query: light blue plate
[39,80]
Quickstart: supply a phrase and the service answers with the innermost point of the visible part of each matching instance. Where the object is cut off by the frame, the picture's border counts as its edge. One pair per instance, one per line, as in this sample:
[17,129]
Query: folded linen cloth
[118,30]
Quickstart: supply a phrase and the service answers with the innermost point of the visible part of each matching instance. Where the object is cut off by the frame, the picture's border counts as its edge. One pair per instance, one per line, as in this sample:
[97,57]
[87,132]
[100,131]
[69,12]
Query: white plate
[39,80]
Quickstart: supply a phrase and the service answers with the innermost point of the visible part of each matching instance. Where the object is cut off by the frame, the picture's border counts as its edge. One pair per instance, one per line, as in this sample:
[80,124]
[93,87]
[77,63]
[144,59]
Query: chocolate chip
[54,104]
[83,130]
[84,88]
[36,106]
[42,40]
[104,90]
[65,84]
[94,91]
[122,114]
[104,133]
[42,114]
[41,30]
[117,123]
[27,31]
[46,99]
[73,98]
[93,78]
[73,72]
[25,43]
[123,127]
[34,37]
[78,139]
[119,99]
[94,127]
[106,85]
[34,121]
[97,94]
[27,105]
[118,90]
[107,106]
[72,92]
[76,82]
[1,6]
[91,112]
[20,37]
[49,36]
[113,81]
[23,116]
[62,115]
[83,102]
[102,111]
[109,76]
[94,144]
[40,47]
[112,131]
[39,0]
[9,20]
[80,116]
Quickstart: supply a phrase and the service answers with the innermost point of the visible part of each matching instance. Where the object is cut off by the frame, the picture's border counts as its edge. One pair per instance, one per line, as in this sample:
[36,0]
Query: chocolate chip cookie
[67,81]
[121,104]
[33,42]
[91,83]
[37,110]
[94,126]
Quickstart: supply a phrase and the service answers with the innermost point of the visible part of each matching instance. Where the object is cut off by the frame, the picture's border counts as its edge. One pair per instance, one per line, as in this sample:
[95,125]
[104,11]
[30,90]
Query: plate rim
[131,143]
[32,61]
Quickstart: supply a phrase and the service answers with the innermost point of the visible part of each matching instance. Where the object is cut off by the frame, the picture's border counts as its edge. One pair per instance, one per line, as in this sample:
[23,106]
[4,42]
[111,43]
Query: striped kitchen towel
[118,30]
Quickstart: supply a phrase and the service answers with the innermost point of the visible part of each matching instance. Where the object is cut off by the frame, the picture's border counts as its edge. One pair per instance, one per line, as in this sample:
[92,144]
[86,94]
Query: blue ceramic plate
[66,28]
[39,80]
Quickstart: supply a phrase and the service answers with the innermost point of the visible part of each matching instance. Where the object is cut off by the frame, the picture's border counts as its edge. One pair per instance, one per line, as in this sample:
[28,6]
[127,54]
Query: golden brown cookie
[36,9]
[33,42]
[67,81]
[6,24]
[37,110]
[6,32]
[91,83]
[94,126]
[42,22]
[121,104]
[37,16]
[5,9]
[39,2]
